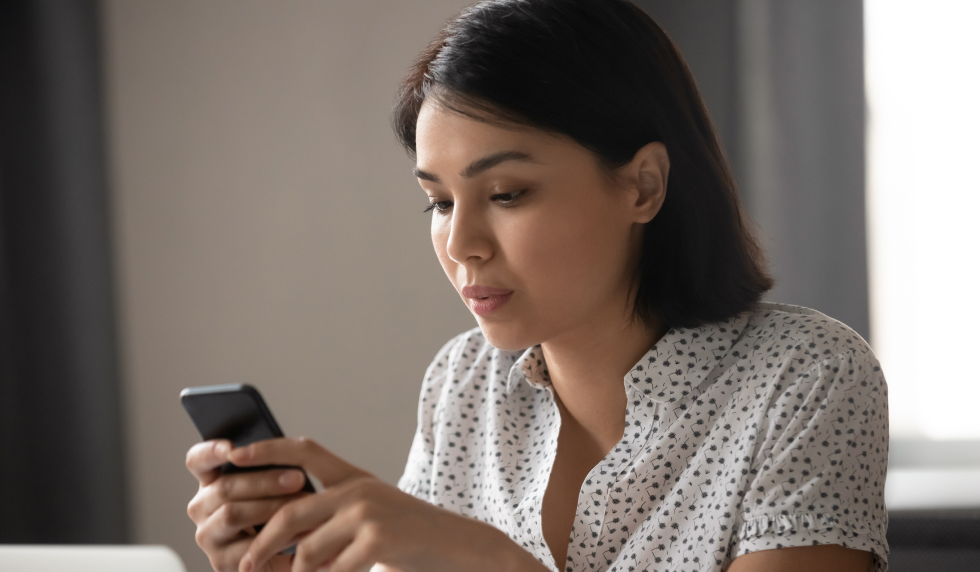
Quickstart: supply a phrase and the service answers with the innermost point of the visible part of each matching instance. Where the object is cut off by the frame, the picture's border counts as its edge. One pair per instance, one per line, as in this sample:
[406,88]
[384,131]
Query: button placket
[597,510]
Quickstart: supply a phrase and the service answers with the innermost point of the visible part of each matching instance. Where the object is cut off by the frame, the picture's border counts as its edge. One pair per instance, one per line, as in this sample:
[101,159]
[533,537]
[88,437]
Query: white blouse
[767,430]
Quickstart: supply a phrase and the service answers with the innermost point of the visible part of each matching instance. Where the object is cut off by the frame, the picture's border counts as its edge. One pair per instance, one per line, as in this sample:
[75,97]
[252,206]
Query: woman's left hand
[358,520]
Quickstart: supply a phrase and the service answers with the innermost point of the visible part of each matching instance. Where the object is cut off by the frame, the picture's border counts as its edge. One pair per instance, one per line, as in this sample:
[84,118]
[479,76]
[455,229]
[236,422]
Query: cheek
[571,256]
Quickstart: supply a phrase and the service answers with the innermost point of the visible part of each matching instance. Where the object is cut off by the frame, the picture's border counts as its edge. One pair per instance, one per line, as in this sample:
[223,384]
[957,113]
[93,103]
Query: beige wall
[268,228]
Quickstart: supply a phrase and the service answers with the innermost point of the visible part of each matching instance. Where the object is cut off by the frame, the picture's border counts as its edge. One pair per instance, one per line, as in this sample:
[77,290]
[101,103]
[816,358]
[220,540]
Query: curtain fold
[62,474]
[784,83]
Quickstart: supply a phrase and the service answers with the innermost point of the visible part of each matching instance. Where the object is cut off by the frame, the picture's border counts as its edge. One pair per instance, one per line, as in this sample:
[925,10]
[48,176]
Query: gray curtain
[784,83]
[61,447]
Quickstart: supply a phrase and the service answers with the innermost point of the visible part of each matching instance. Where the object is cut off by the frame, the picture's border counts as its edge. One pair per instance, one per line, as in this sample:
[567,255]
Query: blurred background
[195,193]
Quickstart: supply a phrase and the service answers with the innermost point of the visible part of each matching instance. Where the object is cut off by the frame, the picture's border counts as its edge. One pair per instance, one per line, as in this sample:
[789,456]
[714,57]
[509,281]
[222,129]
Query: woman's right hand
[226,507]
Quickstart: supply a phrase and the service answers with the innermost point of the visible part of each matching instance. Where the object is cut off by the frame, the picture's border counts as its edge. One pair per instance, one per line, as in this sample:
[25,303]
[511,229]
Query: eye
[439,206]
[508,198]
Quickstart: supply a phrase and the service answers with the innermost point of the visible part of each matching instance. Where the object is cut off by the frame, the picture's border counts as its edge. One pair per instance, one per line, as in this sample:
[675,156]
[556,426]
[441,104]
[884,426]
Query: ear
[647,181]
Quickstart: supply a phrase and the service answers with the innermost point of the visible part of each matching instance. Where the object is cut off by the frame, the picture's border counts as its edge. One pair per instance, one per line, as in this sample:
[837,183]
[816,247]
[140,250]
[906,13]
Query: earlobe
[650,167]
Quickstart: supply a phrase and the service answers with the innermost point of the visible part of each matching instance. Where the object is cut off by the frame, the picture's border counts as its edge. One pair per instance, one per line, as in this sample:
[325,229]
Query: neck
[587,367]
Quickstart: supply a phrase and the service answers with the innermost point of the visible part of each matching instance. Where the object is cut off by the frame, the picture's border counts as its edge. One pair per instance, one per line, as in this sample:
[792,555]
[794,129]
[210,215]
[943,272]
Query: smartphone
[234,412]
[237,413]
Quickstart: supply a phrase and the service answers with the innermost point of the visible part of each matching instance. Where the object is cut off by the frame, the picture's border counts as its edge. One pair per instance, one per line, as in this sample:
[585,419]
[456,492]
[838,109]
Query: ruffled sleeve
[819,468]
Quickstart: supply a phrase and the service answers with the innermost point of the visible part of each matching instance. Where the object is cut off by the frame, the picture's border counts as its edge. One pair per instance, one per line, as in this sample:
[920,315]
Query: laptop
[88,558]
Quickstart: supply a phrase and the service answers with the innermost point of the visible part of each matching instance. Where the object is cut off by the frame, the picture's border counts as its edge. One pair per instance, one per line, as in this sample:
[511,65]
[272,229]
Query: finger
[203,459]
[246,486]
[302,452]
[234,520]
[227,557]
[290,522]
[357,555]
[324,544]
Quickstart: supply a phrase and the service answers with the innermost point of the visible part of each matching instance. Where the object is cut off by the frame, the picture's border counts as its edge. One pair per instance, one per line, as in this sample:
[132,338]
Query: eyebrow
[480,165]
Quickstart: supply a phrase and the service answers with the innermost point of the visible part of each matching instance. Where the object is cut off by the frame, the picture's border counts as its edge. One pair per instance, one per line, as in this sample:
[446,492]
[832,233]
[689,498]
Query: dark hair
[605,74]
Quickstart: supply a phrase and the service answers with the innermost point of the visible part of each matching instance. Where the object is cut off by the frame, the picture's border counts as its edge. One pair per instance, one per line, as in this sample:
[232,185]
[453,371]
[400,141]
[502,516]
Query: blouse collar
[668,372]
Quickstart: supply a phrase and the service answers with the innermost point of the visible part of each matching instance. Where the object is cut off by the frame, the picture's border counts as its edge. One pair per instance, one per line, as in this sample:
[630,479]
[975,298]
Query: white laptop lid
[88,558]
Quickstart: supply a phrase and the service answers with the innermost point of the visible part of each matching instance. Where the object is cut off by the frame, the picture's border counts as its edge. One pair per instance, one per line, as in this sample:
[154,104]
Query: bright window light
[923,84]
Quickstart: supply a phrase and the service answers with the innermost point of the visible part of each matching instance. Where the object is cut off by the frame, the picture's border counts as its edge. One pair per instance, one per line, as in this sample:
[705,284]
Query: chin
[508,336]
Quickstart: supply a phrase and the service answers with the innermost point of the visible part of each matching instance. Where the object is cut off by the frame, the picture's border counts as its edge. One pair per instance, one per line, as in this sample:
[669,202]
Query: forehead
[446,137]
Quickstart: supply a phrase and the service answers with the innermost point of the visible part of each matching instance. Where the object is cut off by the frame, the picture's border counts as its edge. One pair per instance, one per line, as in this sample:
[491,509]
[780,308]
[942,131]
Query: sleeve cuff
[413,487]
[767,532]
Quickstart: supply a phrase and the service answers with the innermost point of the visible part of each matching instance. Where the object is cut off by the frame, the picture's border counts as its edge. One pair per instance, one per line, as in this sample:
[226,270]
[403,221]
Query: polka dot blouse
[765,431]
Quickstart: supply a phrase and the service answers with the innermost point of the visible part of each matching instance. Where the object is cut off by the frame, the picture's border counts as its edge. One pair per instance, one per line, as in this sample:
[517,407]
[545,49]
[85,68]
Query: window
[923,86]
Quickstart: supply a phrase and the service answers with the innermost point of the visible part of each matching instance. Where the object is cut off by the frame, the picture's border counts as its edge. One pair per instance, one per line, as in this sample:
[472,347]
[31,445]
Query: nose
[470,240]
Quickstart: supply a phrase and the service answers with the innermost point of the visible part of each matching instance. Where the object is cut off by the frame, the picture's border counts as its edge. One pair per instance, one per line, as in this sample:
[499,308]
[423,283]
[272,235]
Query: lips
[483,291]
[484,300]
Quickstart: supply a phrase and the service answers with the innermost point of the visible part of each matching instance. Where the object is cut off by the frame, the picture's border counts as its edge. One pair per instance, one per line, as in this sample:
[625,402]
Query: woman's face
[538,241]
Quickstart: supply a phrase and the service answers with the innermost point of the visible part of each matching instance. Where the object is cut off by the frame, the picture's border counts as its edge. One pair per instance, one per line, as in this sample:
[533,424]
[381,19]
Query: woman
[626,403]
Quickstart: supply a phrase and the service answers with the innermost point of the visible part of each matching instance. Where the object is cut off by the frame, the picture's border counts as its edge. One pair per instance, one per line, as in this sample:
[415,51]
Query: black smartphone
[237,413]
[234,412]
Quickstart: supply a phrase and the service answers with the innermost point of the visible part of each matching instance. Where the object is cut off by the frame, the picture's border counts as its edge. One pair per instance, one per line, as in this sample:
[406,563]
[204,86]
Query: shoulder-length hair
[603,73]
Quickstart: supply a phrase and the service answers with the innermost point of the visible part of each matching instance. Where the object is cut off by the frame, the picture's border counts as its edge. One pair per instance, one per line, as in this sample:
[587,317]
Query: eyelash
[513,197]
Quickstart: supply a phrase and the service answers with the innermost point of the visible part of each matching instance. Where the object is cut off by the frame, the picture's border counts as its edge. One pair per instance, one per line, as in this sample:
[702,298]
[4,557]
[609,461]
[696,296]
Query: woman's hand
[359,520]
[226,507]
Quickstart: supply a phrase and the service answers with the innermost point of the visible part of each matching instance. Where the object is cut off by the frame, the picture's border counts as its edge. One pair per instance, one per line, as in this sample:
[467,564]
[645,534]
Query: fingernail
[290,479]
[246,564]
[221,448]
